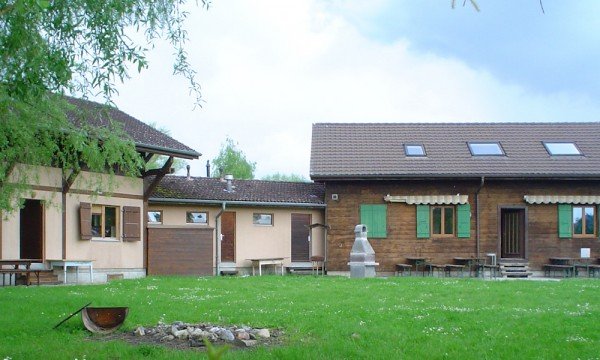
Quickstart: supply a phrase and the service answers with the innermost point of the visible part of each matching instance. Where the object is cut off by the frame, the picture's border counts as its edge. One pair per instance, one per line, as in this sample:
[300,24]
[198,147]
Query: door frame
[309,230]
[42,228]
[221,261]
[525,229]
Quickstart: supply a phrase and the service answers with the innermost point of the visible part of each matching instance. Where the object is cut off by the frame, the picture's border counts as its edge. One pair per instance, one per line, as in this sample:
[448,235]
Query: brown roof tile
[372,150]
[145,136]
[255,191]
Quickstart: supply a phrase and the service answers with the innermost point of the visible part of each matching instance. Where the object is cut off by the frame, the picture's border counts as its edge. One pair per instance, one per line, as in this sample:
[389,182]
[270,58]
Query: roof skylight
[414,150]
[562,148]
[485,148]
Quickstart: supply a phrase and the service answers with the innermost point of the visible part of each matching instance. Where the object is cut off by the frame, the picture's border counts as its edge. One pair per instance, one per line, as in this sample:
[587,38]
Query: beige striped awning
[562,199]
[428,199]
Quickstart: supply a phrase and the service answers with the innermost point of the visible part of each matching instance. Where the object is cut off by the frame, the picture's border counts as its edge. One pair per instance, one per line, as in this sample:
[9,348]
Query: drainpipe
[477,231]
[218,238]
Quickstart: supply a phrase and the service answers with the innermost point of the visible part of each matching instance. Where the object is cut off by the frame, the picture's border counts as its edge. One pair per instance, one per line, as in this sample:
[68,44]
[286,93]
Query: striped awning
[428,199]
[562,199]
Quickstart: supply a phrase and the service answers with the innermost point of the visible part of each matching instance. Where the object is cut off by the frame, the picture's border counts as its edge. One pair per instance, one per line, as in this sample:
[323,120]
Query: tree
[232,161]
[285,177]
[50,48]
[157,161]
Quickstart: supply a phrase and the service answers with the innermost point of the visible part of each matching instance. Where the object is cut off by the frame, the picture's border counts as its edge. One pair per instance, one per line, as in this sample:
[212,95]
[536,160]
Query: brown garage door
[180,251]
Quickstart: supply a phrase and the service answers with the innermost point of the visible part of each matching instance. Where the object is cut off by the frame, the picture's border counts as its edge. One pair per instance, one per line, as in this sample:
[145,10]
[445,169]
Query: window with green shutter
[375,217]
[565,227]
[423,221]
[441,221]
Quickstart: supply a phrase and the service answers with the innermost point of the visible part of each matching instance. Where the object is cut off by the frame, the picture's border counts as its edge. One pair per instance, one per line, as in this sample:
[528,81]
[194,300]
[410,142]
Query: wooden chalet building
[523,191]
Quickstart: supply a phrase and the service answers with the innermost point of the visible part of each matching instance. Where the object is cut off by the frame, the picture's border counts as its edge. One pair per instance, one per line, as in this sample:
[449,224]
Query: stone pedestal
[362,256]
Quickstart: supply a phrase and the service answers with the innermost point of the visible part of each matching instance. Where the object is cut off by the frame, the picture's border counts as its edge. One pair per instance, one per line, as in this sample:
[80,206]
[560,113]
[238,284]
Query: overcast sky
[269,69]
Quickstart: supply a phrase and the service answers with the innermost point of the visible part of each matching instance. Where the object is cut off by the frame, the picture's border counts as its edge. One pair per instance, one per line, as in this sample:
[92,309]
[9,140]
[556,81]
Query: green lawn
[391,318]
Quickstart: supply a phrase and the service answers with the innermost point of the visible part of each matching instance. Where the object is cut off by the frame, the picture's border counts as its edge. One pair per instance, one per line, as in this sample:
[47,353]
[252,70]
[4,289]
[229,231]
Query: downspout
[478,231]
[218,239]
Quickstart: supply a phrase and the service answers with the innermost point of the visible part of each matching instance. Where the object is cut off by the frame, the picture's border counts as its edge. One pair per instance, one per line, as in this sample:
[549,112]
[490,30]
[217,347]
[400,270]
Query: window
[447,220]
[584,223]
[414,150]
[155,217]
[442,220]
[196,217]
[375,217]
[562,148]
[485,148]
[576,221]
[105,221]
[262,219]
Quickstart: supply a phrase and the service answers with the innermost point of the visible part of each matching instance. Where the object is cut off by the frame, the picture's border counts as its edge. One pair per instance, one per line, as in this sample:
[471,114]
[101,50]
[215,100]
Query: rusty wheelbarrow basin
[103,320]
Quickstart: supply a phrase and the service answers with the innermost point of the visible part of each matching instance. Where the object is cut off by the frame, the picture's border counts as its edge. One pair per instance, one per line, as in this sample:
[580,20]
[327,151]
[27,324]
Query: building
[523,191]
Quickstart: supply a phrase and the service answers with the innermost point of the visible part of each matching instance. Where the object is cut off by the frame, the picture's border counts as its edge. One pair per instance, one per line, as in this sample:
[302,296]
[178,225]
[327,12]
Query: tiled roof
[371,150]
[146,137]
[253,191]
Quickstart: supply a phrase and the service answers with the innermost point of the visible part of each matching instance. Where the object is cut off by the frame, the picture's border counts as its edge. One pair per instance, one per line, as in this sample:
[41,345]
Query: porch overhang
[562,199]
[428,199]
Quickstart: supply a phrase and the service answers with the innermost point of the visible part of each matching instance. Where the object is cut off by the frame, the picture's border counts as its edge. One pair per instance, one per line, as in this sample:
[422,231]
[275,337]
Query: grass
[323,317]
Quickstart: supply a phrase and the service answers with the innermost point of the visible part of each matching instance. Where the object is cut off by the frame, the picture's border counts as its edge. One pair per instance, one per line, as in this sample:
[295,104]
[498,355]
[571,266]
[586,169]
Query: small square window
[562,148]
[485,148]
[262,219]
[414,150]
[155,217]
[195,217]
[105,221]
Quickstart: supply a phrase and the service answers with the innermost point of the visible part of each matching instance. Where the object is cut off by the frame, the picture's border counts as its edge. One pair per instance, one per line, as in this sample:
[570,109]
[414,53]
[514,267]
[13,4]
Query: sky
[269,69]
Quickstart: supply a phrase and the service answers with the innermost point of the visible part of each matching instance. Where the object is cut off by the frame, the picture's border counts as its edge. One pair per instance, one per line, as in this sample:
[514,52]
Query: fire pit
[103,320]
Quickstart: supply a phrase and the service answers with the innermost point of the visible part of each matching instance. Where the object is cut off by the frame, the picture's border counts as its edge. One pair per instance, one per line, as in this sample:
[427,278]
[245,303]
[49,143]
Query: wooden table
[418,261]
[64,263]
[266,261]
[16,268]
[471,262]
[562,264]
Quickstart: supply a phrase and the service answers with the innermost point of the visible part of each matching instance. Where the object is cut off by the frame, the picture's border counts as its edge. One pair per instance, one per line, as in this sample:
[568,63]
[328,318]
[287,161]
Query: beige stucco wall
[106,254]
[253,241]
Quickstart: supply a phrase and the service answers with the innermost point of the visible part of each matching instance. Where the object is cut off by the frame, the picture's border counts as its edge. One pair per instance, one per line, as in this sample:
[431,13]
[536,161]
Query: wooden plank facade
[501,203]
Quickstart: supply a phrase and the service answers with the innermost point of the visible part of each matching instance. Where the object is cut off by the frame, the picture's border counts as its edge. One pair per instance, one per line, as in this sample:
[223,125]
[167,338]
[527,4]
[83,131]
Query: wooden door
[32,230]
[300,233]
[228,241]
[512,233]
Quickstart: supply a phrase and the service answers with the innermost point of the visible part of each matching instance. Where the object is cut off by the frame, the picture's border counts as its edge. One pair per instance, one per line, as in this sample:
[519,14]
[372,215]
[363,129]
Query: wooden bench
[566,270]
[448,268]
[432,267]
[229,272]
[403,268]
[593,270]
[26,272]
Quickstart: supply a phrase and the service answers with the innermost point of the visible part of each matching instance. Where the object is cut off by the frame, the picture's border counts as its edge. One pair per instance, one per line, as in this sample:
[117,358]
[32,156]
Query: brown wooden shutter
[131,223]
[85,221]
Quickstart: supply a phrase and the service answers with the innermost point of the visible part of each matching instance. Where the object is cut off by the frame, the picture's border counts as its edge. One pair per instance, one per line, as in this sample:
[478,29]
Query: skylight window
[562,148]
[485,148]
[414,150]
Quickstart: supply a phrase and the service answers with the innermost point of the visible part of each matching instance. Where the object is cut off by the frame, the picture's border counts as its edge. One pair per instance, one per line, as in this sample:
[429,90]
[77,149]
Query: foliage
[285,177]
[157,161]
[322,317]
[232,161]
[80,47]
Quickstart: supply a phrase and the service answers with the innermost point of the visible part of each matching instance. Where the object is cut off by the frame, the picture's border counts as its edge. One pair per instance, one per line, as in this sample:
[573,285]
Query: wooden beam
[147,157]
[159,175]
[69,181]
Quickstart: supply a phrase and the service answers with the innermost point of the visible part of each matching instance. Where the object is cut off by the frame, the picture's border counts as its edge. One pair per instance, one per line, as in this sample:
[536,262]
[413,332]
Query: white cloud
[269,69]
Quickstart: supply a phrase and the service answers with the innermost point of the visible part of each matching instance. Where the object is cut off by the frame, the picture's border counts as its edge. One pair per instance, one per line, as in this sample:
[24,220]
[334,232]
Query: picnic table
[563,265]
[260,262]
[472,263]
[19,266]
[418,261]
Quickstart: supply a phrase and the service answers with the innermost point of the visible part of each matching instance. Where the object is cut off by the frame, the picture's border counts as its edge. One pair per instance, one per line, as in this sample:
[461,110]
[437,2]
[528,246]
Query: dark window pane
[577,220]
[110,222]
[96,225]
[589,220]
[437,220]
[448,221]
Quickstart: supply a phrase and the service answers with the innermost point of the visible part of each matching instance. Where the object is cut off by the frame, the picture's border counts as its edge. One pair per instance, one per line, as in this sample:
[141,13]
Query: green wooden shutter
[423,221]
[375,217]
[463,220]
[565,218]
